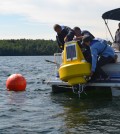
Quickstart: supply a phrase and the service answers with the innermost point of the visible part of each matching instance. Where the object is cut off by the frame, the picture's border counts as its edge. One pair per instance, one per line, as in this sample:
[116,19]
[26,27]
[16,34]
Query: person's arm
[94,53]
[78,38]
[70,34]
[61,46]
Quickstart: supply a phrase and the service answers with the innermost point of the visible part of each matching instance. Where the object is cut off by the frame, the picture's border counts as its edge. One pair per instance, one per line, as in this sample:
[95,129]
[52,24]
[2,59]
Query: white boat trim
[94,84]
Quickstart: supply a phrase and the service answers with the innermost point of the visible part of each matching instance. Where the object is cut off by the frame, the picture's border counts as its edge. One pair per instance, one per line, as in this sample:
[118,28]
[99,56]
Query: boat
[72,70]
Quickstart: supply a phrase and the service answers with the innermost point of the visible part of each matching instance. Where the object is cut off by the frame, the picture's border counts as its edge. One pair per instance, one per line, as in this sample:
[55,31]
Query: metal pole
[109,30]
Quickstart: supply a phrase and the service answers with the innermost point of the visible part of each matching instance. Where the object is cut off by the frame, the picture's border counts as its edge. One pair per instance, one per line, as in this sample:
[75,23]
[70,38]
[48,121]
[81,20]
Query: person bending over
[78,37]
[64,34]
[79,34]
[101,53]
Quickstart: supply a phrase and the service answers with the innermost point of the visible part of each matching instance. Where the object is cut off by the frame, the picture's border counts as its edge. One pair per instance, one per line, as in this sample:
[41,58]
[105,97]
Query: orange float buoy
[16,82]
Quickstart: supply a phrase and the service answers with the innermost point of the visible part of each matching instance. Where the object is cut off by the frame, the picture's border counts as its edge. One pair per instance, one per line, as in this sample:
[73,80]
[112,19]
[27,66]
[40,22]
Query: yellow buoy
[74,68]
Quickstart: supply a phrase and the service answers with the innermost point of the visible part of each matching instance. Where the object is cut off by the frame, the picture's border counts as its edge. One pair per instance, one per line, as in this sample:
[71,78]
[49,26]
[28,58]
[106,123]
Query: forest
[28,47]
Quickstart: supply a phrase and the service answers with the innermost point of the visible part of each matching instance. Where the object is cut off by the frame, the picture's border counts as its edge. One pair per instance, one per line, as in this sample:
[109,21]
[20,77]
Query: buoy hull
[16,82]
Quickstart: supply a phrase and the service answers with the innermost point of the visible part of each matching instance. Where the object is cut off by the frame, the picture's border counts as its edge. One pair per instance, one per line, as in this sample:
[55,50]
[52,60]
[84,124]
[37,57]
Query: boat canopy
[112,14]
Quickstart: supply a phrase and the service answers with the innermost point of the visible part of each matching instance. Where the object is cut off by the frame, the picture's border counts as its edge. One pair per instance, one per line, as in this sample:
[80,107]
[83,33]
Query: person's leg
[105,60]
[101,62]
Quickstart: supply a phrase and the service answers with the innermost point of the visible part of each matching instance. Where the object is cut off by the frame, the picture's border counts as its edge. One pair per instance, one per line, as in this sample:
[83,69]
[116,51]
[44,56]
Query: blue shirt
[98,48]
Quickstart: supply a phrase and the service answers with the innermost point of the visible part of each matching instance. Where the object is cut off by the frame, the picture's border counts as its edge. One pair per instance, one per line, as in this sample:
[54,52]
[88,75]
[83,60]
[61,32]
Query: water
[37,110]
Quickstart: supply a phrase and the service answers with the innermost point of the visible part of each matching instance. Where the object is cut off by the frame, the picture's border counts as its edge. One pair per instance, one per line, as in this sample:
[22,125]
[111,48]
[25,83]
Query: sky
[34,19]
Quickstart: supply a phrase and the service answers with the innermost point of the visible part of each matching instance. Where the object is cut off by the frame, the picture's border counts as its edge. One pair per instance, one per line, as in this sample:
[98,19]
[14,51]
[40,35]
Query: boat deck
[98,83]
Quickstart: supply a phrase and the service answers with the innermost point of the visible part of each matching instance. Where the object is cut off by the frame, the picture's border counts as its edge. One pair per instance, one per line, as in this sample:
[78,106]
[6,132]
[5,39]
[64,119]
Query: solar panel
[71,52]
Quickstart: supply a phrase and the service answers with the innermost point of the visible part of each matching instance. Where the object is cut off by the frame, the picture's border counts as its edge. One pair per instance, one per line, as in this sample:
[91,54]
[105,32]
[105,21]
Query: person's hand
[78,38]
[65,39]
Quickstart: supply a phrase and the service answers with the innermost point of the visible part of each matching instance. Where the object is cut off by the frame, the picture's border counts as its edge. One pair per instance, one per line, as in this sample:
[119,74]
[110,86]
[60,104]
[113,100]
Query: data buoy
[16,82]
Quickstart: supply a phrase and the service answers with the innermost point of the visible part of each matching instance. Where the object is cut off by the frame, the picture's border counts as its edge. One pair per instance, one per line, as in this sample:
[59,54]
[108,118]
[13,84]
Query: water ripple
[37,110]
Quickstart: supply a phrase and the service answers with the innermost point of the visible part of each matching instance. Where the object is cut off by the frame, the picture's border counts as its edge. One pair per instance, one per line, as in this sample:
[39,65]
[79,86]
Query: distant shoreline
[28,47]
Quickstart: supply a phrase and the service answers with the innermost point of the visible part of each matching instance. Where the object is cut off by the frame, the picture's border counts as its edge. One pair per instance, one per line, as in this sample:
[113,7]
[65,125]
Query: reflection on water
[77,112]
[87,116]
[16,97]
[75,115]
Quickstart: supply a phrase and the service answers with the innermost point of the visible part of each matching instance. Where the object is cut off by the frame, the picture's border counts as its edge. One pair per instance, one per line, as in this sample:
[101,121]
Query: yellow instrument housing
[74,68]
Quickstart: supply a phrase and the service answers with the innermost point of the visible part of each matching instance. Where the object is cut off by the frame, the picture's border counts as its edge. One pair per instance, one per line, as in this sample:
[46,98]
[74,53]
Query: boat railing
[58,59]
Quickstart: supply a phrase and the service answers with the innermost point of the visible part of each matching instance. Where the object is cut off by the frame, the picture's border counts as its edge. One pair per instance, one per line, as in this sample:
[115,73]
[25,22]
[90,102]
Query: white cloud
[51,11]
[84,13]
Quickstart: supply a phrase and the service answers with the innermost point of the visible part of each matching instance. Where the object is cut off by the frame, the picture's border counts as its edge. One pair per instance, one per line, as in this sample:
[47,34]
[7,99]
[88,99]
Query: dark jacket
[85,32]
[66,32]
[87,52]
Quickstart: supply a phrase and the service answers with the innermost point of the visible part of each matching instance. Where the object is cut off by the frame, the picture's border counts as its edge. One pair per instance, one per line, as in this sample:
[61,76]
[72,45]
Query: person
[102,54]
[79,34]
[116,44]
[64,34]
[78,37]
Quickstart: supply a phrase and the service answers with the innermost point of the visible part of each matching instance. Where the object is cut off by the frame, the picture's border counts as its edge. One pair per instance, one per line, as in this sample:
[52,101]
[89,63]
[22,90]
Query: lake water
[39,111]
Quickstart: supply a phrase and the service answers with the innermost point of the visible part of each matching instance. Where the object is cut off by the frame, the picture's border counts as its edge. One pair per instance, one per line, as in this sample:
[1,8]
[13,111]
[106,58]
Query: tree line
[28,47]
